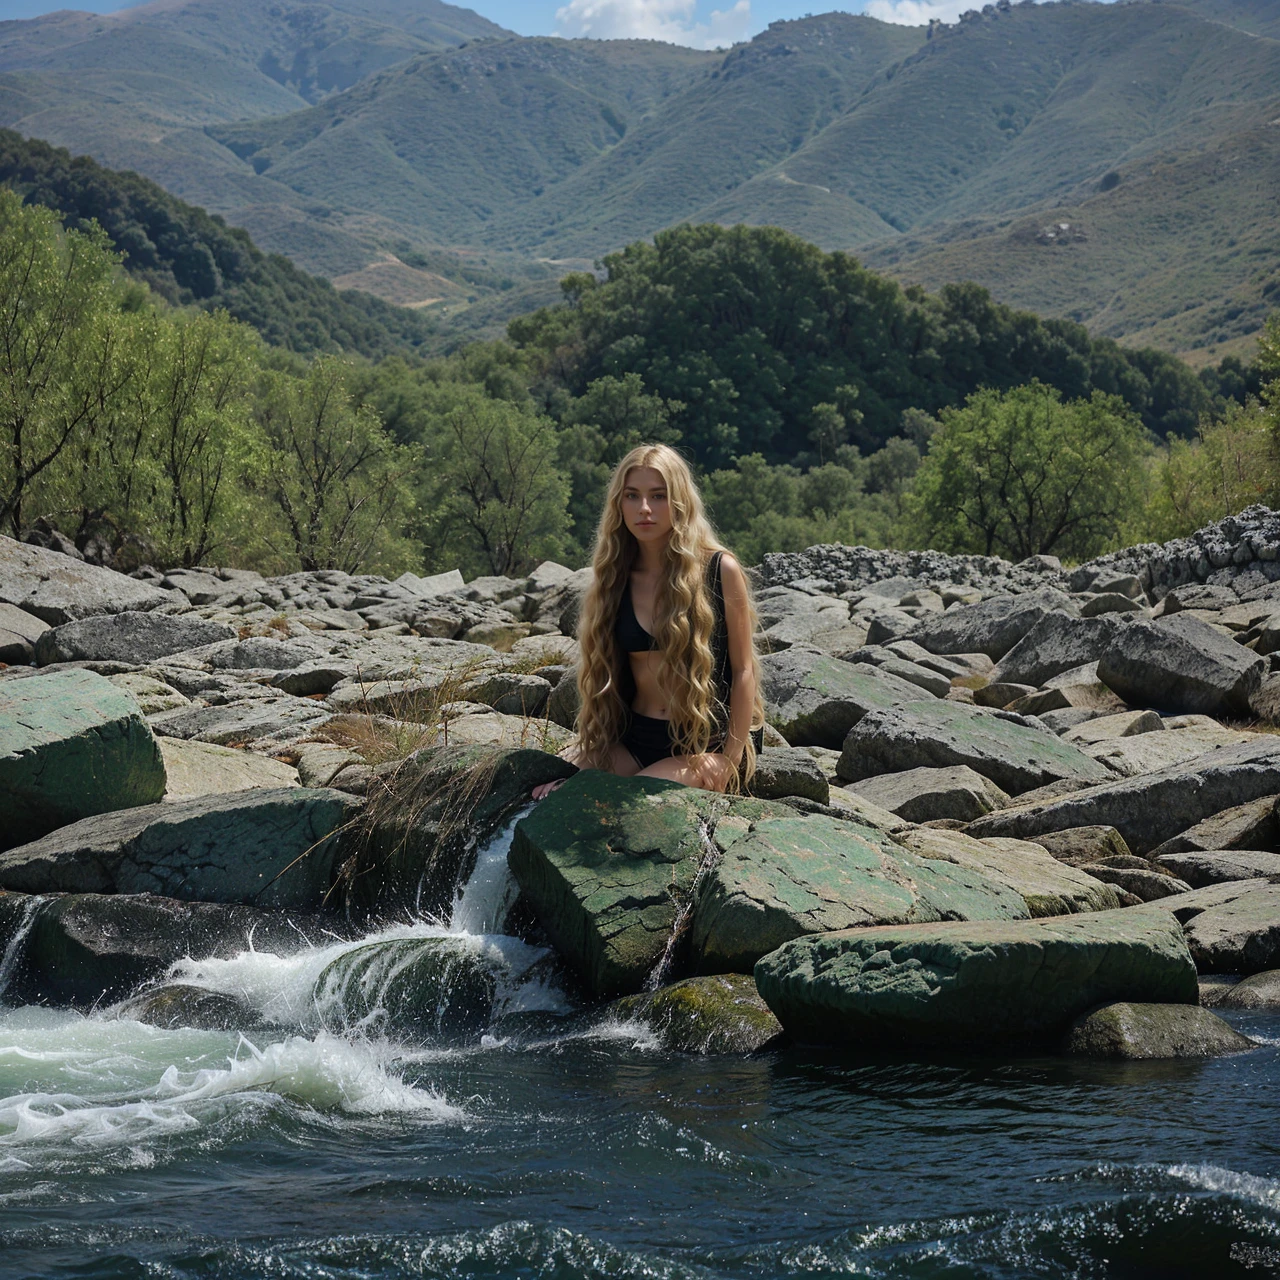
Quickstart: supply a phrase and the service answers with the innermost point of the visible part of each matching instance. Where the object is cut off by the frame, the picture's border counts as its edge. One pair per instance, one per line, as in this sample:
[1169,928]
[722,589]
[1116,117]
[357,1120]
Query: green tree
[1232,463]
[598,429]
[497,501]
[61,366]
[336,479]
[1023,472]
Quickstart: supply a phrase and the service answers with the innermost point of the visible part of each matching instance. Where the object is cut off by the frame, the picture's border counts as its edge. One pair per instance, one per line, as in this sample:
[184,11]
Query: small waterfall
[483,903]
[418,984]
[13,952]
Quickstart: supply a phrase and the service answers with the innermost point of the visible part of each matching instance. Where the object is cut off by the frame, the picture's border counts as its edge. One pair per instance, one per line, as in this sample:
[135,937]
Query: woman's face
[646,510]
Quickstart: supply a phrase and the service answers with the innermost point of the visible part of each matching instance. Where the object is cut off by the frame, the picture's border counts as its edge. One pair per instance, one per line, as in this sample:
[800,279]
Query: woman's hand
[544,789]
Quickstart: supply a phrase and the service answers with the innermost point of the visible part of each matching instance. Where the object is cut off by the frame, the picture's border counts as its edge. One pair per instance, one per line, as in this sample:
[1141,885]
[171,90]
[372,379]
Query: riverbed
[319,1141]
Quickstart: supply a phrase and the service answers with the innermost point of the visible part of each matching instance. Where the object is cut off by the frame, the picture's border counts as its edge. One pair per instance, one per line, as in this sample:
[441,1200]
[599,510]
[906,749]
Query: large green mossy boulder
[608,863]
[997,984]
[635,878]
[71,745]
[722,1013]
[267,848]
[782,877]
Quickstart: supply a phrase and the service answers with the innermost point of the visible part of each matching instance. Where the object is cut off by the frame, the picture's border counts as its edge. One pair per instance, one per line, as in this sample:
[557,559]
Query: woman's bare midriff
[649,700]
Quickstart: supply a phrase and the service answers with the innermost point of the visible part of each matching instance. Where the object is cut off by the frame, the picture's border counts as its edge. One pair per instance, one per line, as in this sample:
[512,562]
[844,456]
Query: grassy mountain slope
[1260,17]
[760,103]
[417,145]
[1183,254]
[191,258]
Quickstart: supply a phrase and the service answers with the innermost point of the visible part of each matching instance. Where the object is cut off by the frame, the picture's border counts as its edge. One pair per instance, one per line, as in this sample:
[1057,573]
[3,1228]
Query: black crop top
[633,638]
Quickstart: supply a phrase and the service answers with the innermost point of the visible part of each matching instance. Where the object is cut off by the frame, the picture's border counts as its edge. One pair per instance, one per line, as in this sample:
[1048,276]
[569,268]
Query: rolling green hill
[446,143]
[190,258]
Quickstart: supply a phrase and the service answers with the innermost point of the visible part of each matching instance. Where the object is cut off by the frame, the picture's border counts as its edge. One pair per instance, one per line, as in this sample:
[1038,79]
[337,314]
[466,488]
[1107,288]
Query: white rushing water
[330,1029]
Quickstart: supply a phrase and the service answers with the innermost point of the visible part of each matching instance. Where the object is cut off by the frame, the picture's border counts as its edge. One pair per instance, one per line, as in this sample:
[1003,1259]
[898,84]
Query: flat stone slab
[1219,867]
[814,700]
[1153,808]
[1151,752]
[1127,1030]
[780,877]
[71,745]
[1047,887]
[203,769]
[1240,933]
[1011,754]
[983,985]
[921,795]
[59,589]
[252,720]
[1252,825]
[128,637]
[261,848]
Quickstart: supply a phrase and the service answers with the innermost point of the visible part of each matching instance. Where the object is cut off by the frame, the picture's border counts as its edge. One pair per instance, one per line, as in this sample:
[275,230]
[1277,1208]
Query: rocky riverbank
[1001,805]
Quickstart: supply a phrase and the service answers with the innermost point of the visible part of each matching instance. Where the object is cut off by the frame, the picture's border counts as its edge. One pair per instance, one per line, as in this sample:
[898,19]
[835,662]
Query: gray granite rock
[920,795]
[992,627]
[1153,808]
[1005,749]
[1253,825]
[133,637]
[272,848]
[1127,1030]
[814,700]
[1059,642]
[57,589]
[1181,664]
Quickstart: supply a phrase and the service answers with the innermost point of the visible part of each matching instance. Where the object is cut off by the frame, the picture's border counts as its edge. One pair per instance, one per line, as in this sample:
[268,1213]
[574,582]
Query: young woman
[668,676]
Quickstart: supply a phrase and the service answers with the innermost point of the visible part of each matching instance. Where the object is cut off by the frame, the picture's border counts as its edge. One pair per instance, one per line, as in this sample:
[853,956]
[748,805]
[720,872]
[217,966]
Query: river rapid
[329,1138]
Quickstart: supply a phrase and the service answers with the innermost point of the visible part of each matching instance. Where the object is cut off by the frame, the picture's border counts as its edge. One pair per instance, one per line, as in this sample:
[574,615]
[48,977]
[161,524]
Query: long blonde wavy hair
[684,620]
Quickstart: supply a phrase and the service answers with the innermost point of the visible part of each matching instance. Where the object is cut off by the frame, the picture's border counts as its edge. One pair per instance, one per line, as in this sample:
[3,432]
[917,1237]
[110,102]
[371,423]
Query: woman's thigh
[711,772]
[622,762]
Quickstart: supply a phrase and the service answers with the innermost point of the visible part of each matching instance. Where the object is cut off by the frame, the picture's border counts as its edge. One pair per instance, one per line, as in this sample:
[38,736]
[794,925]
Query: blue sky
[704,23]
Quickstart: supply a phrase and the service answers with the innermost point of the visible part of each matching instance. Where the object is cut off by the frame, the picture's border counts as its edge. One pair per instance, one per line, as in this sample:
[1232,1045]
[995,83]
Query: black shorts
[649,740]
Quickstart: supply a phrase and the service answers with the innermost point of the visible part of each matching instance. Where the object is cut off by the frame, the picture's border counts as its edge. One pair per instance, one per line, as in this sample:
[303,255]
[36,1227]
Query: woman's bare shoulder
[731,572]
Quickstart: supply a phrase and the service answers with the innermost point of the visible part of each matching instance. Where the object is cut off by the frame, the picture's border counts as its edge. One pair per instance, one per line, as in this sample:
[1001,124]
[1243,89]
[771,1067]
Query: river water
[328,1139]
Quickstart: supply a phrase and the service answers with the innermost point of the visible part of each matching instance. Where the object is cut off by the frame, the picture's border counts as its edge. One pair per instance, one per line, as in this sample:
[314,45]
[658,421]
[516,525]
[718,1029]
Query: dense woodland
[149,411]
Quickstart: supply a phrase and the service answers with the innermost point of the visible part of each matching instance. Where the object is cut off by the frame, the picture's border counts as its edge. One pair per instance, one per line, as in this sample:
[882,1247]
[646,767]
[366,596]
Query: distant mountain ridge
[363,137]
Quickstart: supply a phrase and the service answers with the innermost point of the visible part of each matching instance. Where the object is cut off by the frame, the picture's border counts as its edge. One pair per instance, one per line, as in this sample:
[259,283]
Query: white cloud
[674,21]
[917,13]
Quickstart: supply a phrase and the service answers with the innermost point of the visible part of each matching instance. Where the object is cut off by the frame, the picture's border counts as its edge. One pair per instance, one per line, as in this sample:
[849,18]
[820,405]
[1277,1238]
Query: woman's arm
[742,696]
